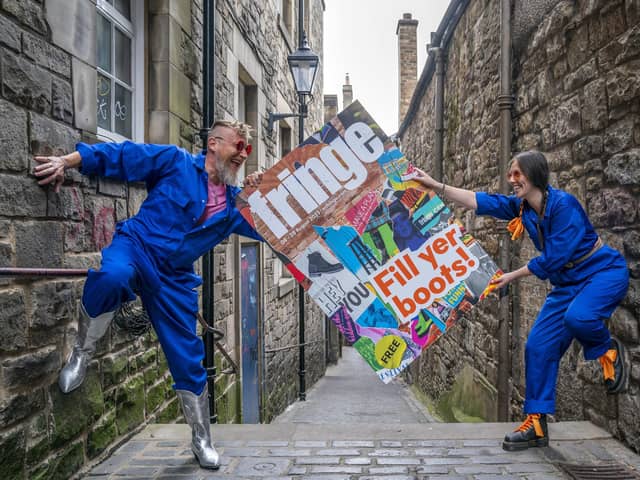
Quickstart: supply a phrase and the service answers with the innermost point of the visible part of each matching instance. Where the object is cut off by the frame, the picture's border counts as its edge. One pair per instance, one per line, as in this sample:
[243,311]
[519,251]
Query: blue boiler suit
[582,296]
[152,253]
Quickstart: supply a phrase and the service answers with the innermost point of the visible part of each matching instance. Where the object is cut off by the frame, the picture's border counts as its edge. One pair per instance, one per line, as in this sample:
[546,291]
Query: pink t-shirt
[216,201]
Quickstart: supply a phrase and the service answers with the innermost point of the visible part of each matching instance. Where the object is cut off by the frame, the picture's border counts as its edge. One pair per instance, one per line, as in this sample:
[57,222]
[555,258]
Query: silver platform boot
[90,330]
[196,413]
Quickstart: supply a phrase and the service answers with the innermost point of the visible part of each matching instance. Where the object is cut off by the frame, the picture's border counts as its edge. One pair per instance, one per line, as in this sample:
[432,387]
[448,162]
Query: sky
[360,39]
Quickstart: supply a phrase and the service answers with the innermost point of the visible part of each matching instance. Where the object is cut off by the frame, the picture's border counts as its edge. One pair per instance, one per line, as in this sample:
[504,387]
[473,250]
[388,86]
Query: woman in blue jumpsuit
[152,253]
[589,281]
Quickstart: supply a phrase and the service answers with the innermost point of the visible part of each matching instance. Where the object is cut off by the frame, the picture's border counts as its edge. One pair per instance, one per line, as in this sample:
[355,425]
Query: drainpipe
[208,109]
[505,105]
[438,146]
[301,307]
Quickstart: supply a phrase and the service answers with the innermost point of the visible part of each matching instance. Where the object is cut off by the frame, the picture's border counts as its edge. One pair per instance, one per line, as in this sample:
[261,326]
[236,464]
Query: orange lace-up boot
[532,433]
[613,367]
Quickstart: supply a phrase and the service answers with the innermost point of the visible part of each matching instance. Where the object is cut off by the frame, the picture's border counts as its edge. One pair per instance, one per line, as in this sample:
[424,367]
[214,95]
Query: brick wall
[43,433]
[330,107]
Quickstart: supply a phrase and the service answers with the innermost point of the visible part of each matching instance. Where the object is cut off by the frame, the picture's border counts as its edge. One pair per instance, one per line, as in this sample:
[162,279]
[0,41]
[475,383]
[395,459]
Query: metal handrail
[290,347]
[42,272]
[217,336]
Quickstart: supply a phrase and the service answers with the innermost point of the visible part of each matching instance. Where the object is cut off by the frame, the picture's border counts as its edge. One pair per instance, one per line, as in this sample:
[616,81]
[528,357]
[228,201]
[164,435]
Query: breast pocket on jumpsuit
[175,209]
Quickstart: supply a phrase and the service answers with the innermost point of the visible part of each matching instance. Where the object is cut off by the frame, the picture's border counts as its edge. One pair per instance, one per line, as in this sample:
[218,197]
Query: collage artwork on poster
[382,256]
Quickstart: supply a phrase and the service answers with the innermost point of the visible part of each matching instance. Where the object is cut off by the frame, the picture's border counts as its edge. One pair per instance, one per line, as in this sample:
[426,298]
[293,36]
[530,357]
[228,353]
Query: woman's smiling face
[518,180]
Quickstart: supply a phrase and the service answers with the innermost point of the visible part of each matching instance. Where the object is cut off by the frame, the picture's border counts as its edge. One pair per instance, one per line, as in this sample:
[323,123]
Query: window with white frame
[119,44]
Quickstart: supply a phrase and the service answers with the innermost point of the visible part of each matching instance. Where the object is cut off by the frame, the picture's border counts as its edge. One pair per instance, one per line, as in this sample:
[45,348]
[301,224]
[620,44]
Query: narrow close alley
[351,393]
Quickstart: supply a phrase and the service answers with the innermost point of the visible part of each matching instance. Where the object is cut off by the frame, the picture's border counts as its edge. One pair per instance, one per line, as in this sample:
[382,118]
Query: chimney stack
[330,107]
[407,62]
[347,93]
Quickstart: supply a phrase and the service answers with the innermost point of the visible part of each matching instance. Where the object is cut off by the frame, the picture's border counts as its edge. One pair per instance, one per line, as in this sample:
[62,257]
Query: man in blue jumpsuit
[189,209]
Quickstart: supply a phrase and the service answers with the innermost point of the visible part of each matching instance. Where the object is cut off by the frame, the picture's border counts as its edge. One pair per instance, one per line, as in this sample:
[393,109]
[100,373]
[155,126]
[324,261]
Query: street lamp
[304,66]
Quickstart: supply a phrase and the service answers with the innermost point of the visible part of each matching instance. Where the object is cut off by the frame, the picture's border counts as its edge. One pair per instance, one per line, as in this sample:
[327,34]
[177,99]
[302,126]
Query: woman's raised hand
[425,179]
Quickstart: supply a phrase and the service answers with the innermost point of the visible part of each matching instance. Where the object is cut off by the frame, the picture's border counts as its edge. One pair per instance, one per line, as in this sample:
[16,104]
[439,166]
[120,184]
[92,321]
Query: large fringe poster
[382,256]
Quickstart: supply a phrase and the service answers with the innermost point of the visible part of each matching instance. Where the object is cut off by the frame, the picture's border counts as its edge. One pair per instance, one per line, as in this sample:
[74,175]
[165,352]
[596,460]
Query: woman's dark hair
[535,167]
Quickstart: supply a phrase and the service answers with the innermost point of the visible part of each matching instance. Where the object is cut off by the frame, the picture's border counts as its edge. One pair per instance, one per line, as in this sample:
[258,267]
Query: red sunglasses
[515,174]
[240,145]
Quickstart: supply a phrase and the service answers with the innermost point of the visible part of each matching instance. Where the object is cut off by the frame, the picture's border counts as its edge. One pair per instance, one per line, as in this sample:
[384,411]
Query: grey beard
[226,175]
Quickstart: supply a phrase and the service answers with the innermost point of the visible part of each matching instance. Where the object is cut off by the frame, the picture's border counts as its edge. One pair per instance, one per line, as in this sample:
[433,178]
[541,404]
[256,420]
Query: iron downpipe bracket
[506,101]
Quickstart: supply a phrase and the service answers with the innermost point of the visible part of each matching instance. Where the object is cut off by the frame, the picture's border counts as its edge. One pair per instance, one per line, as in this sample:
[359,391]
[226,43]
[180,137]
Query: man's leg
[197,415]
[104,291]
[173,311]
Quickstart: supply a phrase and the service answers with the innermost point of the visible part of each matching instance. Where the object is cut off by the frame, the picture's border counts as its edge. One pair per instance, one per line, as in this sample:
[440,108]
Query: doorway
[250,317]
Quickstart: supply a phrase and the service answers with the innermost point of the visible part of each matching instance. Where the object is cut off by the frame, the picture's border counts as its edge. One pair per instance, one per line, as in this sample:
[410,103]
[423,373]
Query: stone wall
[470,160]
[43,433]
[577,99]
[330,107]
[47,80]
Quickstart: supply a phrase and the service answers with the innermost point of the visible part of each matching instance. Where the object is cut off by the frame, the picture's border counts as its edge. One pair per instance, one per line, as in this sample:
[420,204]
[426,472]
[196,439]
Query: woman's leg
[585,317]
[594,303]
[547,342]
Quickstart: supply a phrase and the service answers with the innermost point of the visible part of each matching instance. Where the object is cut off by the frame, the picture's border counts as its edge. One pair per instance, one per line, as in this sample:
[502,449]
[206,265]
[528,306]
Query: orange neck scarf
[515,226]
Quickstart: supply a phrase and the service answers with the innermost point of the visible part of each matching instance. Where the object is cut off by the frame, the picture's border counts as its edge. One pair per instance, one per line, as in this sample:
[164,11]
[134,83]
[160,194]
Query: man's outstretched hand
[253,180]
[50,170]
